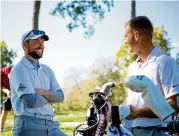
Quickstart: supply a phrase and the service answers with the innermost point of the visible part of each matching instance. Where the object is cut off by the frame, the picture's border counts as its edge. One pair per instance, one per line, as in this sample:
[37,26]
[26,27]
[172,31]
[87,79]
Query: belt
[45,117]
[145,128]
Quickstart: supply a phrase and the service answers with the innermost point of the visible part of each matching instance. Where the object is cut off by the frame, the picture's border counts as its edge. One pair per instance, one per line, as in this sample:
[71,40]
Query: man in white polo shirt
[33,89]
[159,67]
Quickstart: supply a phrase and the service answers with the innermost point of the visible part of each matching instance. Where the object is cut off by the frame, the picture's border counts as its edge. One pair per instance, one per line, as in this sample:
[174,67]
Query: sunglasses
[36,32]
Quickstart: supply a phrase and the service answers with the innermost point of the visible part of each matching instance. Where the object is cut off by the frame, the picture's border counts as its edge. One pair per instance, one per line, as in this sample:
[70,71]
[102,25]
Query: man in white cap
[34,87]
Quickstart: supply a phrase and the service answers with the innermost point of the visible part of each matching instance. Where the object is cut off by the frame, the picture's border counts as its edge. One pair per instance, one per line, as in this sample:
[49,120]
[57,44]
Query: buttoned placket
[142,66]
[38,68]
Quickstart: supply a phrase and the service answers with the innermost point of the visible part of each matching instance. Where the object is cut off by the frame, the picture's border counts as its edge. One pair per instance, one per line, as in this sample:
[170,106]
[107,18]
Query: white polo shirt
[164,72]
[24,79]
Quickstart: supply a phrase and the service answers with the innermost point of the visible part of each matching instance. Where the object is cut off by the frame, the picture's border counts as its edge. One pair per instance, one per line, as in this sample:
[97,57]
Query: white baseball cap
[34,34]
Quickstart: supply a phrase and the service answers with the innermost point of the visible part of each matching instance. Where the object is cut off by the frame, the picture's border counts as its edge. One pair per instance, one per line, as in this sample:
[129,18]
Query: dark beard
[35,55]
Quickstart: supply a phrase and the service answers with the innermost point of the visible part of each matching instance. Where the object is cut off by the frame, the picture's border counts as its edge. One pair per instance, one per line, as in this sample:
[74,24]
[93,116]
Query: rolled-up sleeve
[20,82]
[33,100]
[56,96]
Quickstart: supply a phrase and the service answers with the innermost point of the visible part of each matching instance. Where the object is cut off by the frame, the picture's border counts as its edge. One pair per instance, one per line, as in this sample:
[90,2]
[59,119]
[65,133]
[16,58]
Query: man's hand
[38,91]
[8,92]
[42,92]
[134,113]
[174,102]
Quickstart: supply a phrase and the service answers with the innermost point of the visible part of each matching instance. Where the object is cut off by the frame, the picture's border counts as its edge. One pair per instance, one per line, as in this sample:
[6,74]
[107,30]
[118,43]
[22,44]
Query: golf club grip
[2,104]
[115,117]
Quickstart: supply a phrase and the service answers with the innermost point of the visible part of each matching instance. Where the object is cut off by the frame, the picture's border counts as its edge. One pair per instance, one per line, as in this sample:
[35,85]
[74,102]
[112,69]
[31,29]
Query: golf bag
[96,121]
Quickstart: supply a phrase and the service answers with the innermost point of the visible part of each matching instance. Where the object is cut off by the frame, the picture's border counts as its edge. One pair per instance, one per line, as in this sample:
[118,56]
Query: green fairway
[68,121]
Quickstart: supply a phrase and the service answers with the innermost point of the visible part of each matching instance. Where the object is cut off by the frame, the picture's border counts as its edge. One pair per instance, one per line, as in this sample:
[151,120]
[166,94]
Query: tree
[73,76]
[108,71]
[7,56]
[78,99]
[35,20]
[133,14]
[80,12]
[133,8]
[161,39]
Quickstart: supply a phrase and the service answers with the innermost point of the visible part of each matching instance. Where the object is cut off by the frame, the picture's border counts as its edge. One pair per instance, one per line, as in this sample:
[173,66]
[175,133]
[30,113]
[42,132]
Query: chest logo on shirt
[175,85]
[140,77]
[21,87]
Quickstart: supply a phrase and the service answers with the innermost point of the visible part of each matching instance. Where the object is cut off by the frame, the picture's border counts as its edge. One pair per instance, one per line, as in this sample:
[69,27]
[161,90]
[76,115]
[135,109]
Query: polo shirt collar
[28,63]
[153,54]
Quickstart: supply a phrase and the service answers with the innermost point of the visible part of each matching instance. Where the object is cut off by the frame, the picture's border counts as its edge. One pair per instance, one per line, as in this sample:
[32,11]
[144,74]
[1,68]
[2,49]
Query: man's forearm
[56,96]
[174,102]
[146,113]
[52,96]
[33,100]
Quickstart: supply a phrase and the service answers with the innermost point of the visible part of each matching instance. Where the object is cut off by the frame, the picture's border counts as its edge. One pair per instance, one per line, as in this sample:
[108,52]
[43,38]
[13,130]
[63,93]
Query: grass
[75,116]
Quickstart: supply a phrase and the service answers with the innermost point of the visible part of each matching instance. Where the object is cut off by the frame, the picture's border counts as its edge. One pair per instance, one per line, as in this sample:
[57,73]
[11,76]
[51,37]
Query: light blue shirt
[24,79]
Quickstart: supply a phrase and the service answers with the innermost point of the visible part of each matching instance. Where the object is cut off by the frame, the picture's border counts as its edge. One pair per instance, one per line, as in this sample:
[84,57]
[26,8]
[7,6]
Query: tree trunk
[133,14]
[133,9]
[36,10]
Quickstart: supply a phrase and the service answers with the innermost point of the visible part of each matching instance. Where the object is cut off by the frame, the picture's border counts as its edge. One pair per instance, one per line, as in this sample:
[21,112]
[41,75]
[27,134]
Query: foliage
[111,71]
[118,94]
[124,58]
[80,13]
[7,55]
[105,74]
[77,98]
[161,39]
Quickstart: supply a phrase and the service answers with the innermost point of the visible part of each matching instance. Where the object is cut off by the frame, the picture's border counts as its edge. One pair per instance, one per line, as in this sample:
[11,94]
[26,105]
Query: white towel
[151,95]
